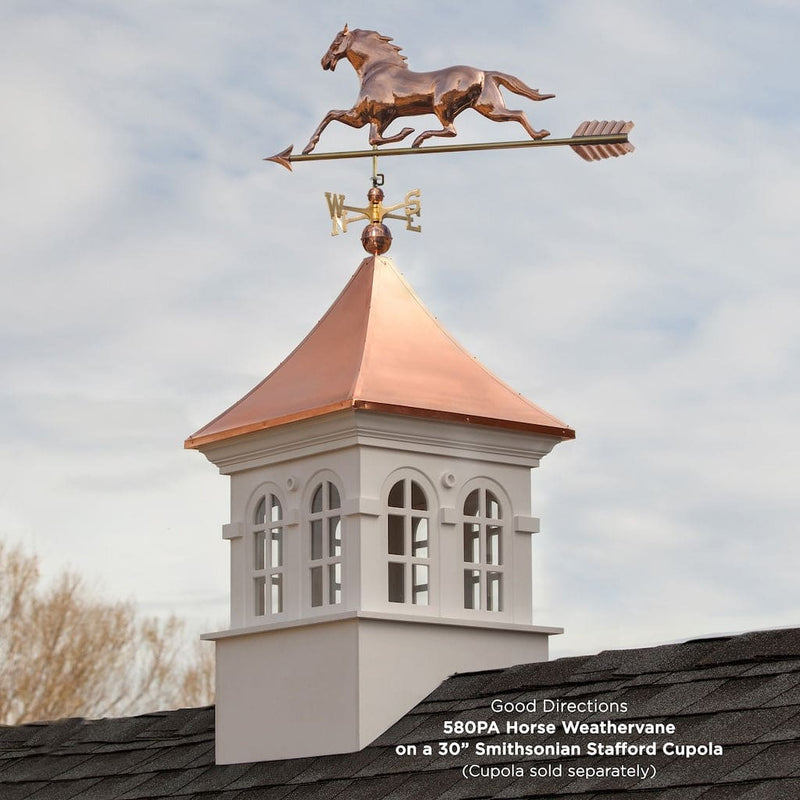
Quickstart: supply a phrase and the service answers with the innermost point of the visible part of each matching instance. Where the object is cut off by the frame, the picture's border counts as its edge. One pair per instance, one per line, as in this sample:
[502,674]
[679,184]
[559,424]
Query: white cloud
[160,269]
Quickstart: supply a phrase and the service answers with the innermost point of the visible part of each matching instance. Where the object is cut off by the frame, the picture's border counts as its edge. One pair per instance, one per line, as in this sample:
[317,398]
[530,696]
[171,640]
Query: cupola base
[334,685]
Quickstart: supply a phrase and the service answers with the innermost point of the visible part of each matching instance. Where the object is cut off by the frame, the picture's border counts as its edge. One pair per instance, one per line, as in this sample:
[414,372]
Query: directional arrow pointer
[284,158]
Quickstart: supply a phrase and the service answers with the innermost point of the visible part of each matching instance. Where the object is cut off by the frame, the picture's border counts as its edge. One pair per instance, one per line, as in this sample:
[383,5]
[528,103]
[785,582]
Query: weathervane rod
[286,159]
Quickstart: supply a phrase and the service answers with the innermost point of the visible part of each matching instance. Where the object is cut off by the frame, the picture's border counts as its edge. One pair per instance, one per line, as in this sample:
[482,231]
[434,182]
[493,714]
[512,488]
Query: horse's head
[337,50]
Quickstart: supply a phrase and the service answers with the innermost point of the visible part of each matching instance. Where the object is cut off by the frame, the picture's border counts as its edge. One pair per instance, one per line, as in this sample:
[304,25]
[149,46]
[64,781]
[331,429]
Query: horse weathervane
[389,90]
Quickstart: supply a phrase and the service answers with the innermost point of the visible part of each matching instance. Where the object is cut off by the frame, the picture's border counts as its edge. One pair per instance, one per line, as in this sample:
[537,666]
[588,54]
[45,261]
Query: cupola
[380,530]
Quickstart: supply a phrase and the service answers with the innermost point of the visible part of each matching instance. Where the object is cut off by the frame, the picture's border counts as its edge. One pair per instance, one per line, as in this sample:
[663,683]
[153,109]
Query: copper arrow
[592,141]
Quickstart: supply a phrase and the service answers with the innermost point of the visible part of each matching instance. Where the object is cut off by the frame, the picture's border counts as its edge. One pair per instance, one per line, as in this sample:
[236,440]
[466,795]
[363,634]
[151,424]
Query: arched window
[267,541]
[408,543]
[325,546]
[483,551]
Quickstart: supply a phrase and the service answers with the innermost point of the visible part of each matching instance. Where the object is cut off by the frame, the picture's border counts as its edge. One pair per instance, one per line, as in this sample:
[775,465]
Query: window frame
[260,600]
[408,562]
[488,566]
[327,562]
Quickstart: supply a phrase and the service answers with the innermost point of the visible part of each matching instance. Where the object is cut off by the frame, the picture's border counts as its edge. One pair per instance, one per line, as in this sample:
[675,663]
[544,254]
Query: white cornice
[328,619]
[374,429]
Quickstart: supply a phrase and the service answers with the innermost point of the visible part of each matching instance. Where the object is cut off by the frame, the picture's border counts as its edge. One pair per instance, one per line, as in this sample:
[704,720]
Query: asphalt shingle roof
[739,692]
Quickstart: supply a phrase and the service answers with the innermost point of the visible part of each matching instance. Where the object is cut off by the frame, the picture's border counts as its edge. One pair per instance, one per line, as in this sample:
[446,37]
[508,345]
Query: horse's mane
[383,46]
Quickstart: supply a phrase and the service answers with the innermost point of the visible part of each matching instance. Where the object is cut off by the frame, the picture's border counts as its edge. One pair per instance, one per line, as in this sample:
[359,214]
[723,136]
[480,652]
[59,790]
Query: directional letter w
[336,207]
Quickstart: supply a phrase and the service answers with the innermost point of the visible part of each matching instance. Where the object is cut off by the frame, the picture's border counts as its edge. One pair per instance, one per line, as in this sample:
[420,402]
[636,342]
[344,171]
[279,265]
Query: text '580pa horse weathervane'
[389,89]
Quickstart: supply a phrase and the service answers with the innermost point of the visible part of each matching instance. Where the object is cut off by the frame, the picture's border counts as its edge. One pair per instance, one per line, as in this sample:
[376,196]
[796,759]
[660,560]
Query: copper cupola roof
[378,347]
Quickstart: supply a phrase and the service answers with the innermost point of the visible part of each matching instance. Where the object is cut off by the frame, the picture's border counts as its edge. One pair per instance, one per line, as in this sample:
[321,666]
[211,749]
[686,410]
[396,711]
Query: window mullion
[408,570]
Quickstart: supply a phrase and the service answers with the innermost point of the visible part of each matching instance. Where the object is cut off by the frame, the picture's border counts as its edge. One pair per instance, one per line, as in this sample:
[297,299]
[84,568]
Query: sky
[155,269]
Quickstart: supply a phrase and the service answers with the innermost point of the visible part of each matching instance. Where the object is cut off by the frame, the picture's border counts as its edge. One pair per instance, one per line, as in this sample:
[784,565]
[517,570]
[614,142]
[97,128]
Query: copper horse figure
[389,89]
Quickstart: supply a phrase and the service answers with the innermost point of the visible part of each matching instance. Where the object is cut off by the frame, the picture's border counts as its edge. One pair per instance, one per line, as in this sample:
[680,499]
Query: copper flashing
[197,440]
[379,348]
[447,416]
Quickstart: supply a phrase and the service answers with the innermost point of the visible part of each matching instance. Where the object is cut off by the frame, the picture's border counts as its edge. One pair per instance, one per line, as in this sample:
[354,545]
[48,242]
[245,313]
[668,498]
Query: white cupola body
[380,527]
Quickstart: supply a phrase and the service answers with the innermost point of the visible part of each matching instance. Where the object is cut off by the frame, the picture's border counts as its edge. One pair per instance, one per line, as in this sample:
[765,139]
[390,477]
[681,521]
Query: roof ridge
[358,379]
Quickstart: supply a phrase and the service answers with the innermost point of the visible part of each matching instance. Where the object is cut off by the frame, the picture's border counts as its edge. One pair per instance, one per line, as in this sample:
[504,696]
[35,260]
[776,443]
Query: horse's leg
[351,117]
[449,129]
[490,103]
[376,130]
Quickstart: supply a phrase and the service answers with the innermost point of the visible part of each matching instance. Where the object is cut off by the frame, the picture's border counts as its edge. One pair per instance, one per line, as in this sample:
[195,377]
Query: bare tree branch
[66,653]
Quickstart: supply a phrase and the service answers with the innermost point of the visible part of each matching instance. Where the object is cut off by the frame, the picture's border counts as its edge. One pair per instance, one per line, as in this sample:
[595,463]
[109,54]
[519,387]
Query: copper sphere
[376,238]
[375,195]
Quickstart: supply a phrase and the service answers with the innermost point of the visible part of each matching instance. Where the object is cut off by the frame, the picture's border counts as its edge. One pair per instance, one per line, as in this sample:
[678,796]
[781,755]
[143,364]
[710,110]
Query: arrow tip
[283,158]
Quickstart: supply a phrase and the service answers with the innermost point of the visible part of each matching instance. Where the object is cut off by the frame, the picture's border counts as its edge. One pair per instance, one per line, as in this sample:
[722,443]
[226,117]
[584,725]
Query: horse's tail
[517,86]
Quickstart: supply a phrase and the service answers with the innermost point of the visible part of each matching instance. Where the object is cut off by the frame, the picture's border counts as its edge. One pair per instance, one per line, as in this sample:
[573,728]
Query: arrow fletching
[597,152]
